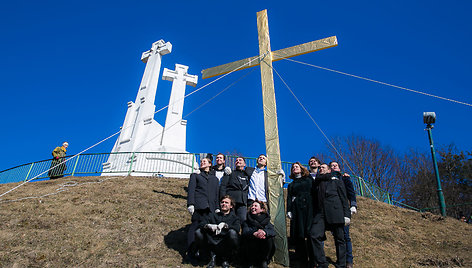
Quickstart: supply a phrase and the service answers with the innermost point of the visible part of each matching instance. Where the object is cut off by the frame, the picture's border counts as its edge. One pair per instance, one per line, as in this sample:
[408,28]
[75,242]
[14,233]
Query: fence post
[31,167]
[361,188]
[388,198]
[131,164]
[193,163]
[75,165]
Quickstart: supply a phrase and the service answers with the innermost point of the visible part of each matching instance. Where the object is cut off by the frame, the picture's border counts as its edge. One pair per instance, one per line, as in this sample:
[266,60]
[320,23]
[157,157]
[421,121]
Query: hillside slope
[141,222]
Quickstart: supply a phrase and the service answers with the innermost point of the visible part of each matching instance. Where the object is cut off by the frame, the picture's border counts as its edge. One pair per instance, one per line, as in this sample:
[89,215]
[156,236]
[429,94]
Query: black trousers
[223,246]
[302,247]
[256,250]
[241,212]
[196,217]
[317,236]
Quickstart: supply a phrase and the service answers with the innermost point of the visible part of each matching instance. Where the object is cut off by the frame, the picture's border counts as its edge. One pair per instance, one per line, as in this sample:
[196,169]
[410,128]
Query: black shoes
[212,262]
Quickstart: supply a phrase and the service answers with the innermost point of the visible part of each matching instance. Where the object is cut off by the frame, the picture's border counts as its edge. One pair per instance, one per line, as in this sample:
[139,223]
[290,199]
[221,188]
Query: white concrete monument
[174,133]
[144,147]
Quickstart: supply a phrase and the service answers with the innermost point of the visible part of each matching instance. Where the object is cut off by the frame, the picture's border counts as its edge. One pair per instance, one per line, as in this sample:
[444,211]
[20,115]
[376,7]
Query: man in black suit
[351,197]
[236,185]
[331,212]
[219,233]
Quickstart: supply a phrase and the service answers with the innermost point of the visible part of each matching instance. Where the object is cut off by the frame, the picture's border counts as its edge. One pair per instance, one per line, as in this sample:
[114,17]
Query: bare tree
[369,159]
[455,169]
[419,187]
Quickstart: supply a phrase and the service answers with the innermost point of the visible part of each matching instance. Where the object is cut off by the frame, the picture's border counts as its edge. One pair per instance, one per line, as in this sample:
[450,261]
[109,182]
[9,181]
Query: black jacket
[351,194]
[254,223]
[300,204]
[329,198]
[203,191]
[236,185]
[216,218]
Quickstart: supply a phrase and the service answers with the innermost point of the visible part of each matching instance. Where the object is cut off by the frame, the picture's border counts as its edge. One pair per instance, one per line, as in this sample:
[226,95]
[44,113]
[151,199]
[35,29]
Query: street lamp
[429,118]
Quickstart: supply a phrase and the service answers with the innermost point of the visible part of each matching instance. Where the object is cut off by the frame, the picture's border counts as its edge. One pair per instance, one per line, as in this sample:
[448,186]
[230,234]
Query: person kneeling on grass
[218,233]
[258,236]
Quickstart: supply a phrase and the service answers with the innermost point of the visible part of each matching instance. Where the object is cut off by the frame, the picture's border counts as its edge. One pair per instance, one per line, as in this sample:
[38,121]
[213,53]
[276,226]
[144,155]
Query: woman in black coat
[300,209]
[202,199]
[258,235]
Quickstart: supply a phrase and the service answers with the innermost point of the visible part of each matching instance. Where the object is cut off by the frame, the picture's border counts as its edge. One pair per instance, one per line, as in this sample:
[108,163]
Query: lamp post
[429,118]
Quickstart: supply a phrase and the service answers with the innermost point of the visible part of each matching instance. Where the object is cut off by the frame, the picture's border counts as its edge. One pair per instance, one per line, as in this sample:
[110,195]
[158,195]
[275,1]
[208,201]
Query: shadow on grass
[177,240]
[173,195]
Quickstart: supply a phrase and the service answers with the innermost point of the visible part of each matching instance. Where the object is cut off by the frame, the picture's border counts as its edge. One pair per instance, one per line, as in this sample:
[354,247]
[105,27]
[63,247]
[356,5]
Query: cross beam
[266,57]
[277,55]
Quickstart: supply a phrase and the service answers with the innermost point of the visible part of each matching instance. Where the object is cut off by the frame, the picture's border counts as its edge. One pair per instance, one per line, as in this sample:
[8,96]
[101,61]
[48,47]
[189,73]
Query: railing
[138,163]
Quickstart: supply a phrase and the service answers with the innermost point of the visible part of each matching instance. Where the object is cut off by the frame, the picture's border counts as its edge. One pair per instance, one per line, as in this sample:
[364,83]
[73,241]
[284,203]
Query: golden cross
[266,57]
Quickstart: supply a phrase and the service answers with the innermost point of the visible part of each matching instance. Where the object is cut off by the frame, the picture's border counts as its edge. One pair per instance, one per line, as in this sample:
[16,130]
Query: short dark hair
[244,159]
[316,159]
[224,157]
[326,165]
[333,162]
[233,204]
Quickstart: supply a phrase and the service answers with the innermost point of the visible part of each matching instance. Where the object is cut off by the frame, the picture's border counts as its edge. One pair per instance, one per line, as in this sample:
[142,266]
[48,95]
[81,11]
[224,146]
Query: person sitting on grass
[258,236]
[219,233]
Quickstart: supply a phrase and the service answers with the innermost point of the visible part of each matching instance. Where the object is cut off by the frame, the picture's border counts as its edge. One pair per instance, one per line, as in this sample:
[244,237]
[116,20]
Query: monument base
[159,164]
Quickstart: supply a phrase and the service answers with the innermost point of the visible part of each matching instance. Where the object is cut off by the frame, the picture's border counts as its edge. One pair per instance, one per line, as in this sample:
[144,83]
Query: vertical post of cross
[276,197]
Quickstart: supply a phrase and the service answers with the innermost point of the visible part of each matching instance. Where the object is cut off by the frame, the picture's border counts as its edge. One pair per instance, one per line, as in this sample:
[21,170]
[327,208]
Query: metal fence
[93,165]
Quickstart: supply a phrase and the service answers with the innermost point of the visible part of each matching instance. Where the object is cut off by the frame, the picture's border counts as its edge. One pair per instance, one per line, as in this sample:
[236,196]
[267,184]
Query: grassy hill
[142,222]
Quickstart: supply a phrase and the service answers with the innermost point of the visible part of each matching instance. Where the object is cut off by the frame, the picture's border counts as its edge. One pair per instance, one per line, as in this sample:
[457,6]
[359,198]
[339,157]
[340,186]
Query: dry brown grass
[141,222]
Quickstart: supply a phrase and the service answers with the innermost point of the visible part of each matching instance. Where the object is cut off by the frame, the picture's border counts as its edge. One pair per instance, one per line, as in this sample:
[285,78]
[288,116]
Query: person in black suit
[202,199]
[351,197]
[331,212]
[219,233]
[236,185]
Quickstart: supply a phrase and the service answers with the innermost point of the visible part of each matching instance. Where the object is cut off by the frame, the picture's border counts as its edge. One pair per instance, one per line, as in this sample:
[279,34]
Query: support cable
[313,120]
[382,83]
[201,105]
[63,188]
[198,89]
[118,132]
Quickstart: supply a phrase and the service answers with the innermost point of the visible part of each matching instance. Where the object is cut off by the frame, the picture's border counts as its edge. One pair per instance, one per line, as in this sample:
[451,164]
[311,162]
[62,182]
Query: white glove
[191,209]
[220,227]
[228,170]
[197,171]
[353,210]
[281,172]
[347,221]
[217,210]
[212,227]
[289,215]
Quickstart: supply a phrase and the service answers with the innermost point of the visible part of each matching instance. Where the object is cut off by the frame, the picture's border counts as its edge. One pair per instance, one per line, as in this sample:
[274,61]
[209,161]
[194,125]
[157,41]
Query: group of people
[320,199]
[230,213]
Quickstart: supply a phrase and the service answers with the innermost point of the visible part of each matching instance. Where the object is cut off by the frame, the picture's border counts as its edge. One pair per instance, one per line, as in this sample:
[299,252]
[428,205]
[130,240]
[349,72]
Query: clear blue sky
[69,68]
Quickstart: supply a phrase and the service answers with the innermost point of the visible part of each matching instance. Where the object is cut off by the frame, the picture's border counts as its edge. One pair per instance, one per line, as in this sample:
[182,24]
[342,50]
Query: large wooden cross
[266,57]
